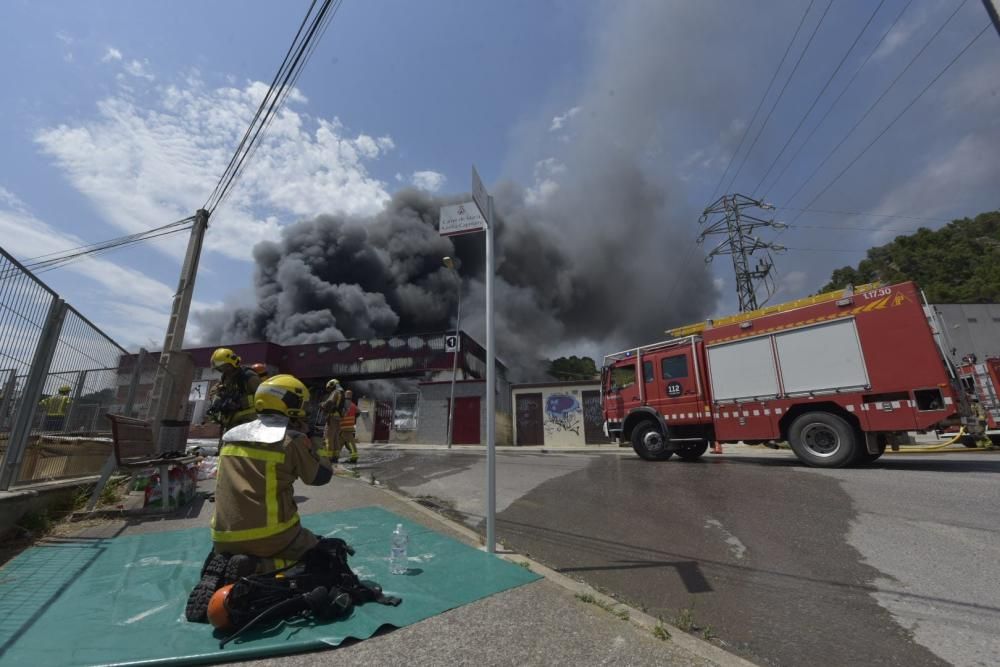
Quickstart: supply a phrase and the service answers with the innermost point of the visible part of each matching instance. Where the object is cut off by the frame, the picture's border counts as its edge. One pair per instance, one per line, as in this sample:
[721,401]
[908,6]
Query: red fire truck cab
[836,375]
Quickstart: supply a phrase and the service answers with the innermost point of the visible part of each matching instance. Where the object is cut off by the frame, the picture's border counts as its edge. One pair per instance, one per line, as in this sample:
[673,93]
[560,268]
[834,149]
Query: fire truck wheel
[649,443]
[689,451]
[823,440]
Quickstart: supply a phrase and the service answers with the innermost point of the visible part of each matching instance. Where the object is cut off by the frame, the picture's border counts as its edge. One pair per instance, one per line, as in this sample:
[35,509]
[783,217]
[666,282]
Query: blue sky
[119,116]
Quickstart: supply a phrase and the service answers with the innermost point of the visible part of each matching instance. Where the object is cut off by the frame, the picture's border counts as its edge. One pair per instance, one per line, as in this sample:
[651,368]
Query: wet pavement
[896,564]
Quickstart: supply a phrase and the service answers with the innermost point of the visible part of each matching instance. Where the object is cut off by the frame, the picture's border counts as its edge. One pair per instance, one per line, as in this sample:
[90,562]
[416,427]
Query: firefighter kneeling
[256,523]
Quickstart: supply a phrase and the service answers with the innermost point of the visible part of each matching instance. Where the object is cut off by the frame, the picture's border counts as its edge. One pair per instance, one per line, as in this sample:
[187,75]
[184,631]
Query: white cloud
[545,185]
[26,236]
[558,122]
[428,180]
[64,37]
[139,69]
[791,285]
[153,156]
[111,54]
[958,182]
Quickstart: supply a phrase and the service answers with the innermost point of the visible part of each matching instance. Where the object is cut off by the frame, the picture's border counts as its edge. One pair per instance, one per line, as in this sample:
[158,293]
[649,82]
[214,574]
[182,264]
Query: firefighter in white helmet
[332,409]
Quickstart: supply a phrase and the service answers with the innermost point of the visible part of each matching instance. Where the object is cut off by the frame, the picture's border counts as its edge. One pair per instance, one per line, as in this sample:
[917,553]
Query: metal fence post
[8,397]
[81,379]
[133,383]
[40,363]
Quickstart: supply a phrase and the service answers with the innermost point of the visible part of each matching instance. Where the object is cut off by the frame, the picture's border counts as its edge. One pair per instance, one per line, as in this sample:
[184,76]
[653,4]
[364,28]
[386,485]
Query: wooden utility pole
[163,402]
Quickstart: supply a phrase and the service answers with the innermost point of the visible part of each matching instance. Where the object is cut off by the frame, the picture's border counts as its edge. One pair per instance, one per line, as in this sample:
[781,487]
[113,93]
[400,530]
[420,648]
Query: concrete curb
[503,449]
[640,619]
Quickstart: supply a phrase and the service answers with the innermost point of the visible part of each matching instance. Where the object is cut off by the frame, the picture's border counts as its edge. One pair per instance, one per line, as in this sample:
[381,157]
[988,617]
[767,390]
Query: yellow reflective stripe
[273,526]
[271,494]
[253,453]
[252,533]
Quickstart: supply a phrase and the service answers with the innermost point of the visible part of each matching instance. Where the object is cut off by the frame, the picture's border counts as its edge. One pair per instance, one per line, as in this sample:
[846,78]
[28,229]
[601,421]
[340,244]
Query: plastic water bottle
[397,555]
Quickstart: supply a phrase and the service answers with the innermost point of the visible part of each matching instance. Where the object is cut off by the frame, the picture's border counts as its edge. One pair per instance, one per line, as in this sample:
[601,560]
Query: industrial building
[971,328]
[412,407]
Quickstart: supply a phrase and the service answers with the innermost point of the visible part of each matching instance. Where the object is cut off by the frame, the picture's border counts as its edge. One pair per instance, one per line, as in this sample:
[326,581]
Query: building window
[404,412]
[973,320]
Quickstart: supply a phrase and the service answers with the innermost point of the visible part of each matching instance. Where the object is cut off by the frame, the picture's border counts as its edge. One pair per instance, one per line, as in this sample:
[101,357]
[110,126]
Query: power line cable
[876,103]
[899,115]
[818,96]
[850,228]
[861,214]
[763,97]
[830,109]
[284,93]
[297,63]
[30,260]
[58,262]
[270,100]
[260,107]
[781,94]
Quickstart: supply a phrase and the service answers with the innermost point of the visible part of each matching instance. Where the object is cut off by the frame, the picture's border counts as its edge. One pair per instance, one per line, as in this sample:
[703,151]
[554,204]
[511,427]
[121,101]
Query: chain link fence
[59,376]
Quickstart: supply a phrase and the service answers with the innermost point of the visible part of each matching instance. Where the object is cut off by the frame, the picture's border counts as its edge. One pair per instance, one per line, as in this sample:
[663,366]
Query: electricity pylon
[726,216]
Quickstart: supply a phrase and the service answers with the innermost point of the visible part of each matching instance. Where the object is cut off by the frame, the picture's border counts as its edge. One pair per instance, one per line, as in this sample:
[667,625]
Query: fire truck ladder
[985,390]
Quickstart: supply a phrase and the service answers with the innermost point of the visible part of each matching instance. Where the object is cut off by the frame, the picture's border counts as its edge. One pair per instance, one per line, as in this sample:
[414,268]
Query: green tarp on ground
[95,601]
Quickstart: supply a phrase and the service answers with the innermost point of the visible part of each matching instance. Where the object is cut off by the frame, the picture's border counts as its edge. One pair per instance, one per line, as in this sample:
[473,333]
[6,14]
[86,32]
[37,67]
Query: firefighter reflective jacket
[55,406]
[255,512]
[333,405]
[235,395]
[350,418]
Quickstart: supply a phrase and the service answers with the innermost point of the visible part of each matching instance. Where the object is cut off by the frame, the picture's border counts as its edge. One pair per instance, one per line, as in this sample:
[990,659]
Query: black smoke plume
[595,256]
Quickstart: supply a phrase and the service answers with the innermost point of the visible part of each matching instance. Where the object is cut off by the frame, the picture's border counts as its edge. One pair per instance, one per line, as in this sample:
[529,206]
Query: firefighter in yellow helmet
[255,512]
[55,408]
[332,410]
[233,397]
[256,522]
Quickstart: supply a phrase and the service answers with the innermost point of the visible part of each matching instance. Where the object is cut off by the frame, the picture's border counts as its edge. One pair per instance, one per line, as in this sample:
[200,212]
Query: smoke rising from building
[598,254]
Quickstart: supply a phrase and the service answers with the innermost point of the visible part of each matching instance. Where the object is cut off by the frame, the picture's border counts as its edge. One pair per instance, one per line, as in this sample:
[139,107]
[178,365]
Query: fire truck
[980,382]
[838,376]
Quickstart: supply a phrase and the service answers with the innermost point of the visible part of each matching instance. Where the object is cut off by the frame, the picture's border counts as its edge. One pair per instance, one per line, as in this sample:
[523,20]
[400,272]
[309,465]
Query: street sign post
[458,219]
[461,219]
[479,193]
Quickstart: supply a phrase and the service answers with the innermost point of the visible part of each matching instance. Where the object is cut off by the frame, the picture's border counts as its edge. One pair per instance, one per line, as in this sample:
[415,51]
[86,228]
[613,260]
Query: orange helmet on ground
[260,369]
[218,611]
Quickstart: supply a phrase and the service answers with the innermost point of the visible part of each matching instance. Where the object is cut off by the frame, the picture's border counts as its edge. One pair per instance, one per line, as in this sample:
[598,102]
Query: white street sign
[479,193]
[451,343]
[460,219]
[199,391]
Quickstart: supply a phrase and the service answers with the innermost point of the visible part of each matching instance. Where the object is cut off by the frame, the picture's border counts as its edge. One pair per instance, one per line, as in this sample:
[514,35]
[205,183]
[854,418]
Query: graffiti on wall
[562,412]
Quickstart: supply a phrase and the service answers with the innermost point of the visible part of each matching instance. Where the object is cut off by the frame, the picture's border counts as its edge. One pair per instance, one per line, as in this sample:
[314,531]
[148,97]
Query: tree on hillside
[573,368]
[958,263]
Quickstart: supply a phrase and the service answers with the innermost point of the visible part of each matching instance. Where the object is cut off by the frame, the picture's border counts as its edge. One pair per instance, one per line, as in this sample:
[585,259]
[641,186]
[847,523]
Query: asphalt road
[896,564]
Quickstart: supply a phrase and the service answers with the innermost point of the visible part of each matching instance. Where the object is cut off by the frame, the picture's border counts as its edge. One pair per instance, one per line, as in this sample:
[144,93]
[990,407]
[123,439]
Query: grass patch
[660,632]
[708,634]
[525,564]
[685,619]
[609,607]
